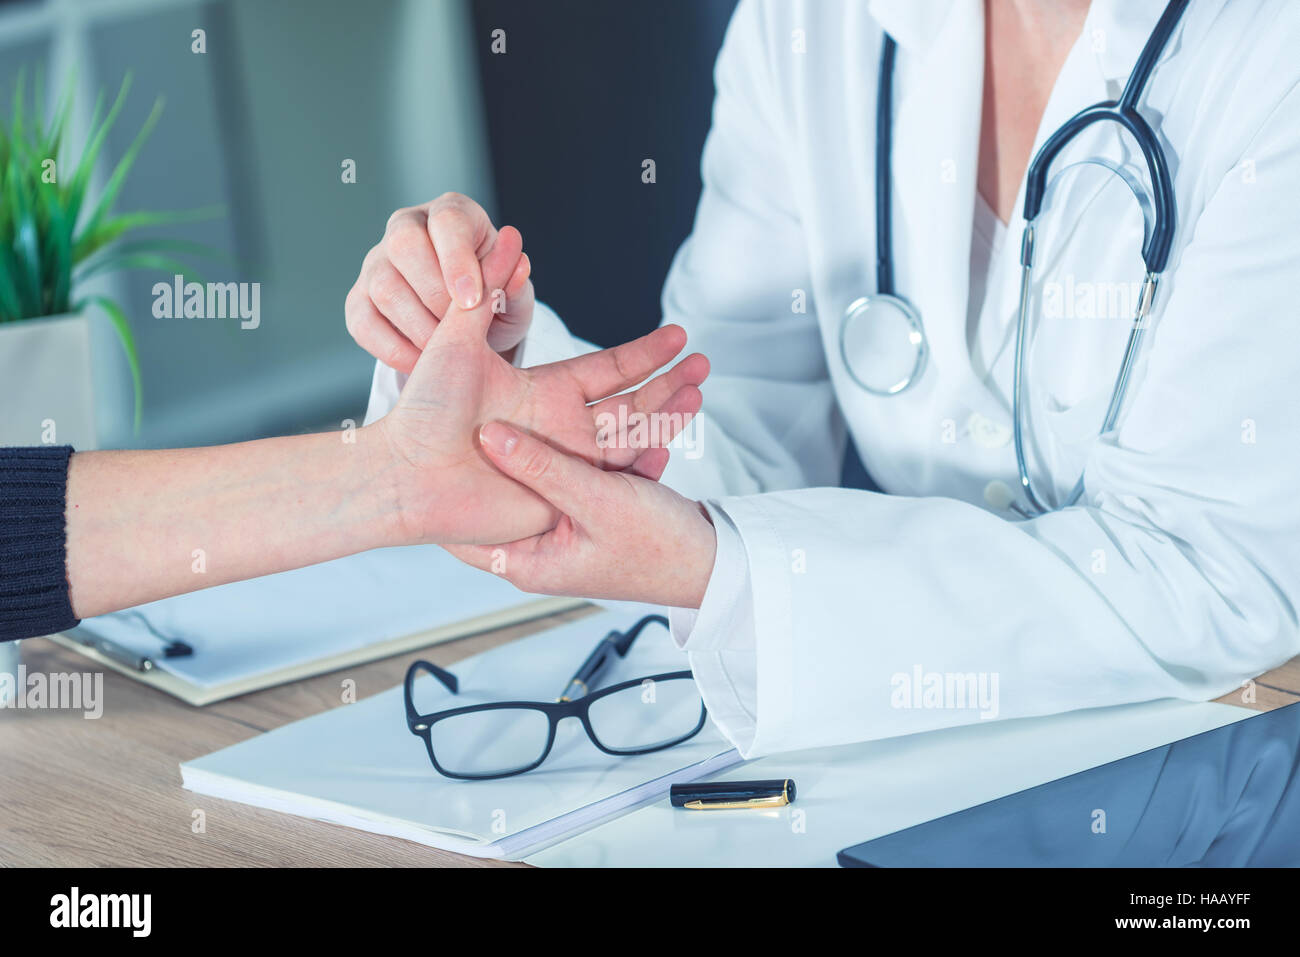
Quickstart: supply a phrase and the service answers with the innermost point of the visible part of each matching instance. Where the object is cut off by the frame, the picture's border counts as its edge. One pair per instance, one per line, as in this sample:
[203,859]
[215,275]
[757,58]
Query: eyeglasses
[498,740]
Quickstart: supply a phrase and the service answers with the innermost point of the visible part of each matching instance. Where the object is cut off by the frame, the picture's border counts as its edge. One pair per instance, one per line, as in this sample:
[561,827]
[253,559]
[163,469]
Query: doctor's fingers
[374,333]
[408,246]
[574,486]
[516,562]
[395,300]
[509,327]
[503,266]
[437,246]
[560,561]
[462,234]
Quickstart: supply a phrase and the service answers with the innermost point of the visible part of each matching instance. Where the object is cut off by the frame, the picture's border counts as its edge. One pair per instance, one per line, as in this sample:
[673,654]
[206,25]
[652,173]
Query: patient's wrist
[394,492]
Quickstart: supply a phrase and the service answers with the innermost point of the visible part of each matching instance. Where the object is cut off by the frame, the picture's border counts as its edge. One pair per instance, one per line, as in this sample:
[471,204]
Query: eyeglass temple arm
[623,643]
[449,681]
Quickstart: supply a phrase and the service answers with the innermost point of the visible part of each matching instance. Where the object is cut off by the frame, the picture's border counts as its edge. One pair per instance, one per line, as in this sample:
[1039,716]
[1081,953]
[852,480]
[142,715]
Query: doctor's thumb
[554,476]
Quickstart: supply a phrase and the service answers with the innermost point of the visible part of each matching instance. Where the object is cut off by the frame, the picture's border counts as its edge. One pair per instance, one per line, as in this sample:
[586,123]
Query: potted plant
[53,238]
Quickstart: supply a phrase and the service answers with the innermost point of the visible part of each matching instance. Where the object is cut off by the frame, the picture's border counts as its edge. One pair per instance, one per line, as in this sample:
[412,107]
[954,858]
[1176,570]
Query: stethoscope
[882,339]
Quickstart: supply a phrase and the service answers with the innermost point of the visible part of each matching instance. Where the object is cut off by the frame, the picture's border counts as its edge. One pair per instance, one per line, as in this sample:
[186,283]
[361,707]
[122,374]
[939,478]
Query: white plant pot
[9,659]
[46,393]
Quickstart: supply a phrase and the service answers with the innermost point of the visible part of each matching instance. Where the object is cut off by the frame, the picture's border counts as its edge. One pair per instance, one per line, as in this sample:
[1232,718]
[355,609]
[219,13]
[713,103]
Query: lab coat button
[998,495]
[987,433]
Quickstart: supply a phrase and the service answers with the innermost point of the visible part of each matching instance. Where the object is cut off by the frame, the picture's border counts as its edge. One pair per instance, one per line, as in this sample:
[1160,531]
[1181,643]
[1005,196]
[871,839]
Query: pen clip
[774,800]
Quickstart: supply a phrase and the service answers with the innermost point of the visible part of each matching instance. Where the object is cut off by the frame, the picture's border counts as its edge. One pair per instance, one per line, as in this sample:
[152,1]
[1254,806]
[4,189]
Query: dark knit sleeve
[33,542]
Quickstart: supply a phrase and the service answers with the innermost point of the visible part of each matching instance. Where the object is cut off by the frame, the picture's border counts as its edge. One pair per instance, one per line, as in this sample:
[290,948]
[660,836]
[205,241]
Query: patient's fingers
[603,373]
[650,464]
[623,436]
[692,370]
[523,269]
[502,262]
[510,326]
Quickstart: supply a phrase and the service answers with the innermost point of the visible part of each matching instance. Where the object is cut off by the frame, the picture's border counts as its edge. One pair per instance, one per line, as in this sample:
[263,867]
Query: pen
[115,652]
[732,795]
[584,679]
[615,643]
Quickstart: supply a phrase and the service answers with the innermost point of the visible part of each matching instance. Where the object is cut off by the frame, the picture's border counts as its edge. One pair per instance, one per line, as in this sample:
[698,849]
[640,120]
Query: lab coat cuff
[763,630]
[710,627]
[727,681]
[719,638]
[385,388]
[548,340]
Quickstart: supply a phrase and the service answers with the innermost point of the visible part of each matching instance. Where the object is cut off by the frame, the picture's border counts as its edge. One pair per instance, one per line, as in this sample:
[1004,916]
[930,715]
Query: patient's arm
[148,524]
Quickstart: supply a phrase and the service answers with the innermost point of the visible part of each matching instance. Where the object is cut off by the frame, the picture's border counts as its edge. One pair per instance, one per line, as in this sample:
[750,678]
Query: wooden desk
[80,793]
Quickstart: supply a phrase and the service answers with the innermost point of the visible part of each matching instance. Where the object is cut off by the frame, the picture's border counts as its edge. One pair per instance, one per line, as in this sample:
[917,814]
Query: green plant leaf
[52,236]
[115,227]
[155,262]
[26,250]
[20,84]
[123,169]
[59,245]
[10,308]
[98,133]
[182,247]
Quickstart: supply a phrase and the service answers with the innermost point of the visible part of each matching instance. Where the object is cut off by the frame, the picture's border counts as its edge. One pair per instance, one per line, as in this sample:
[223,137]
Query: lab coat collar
[1117,30]
[913,25]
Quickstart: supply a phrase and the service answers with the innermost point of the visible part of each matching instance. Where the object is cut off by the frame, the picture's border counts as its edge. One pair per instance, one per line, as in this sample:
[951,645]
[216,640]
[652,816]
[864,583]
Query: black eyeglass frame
[421,725]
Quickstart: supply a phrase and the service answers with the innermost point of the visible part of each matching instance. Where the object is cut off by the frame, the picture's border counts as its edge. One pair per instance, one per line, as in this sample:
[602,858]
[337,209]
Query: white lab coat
[1179,571]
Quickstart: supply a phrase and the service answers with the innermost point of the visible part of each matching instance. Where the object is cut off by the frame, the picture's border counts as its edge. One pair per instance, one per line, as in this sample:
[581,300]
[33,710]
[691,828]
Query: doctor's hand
[621,535]
[447,489]
[429,259]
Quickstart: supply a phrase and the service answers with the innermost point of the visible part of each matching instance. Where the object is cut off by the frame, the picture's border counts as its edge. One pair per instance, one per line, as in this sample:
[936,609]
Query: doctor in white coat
[814,615]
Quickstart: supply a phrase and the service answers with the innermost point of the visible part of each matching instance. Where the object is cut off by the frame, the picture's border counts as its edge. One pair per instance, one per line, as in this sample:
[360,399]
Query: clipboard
[246,636]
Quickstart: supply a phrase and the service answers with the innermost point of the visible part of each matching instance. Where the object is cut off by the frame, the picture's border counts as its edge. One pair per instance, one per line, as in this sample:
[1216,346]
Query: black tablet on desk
[1225,798]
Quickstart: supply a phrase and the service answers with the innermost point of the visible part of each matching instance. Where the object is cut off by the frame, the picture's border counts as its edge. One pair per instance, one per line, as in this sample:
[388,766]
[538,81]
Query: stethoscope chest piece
[883,344]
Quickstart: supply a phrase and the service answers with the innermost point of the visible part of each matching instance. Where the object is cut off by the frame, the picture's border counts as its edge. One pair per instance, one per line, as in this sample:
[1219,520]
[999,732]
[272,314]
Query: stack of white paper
[358,765]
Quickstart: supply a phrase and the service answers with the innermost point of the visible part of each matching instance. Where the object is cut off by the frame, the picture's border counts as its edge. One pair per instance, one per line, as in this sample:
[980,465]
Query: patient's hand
[450,491]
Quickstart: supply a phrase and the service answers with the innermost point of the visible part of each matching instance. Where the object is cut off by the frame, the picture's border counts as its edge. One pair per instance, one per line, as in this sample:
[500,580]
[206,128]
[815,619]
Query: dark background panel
[585,92]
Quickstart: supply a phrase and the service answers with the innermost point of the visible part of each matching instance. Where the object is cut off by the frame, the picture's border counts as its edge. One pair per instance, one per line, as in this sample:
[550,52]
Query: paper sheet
[360,766]
[858,792]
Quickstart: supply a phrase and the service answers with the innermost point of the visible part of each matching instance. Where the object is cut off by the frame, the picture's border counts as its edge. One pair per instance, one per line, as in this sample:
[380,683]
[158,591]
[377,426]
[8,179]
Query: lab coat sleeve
[877,615]
[740,285]
[723,646]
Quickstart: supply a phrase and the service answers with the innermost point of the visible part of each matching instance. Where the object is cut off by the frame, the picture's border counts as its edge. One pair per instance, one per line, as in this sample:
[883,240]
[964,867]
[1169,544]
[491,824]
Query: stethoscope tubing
[1155,248]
